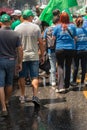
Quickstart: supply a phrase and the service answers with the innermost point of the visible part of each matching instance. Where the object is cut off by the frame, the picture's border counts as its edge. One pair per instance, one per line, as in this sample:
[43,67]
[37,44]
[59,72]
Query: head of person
[55,20]
[16,14]
[6,20]
[56,12]
[79,21]
[44,25]
[28,15]
[64,20]
[38,10]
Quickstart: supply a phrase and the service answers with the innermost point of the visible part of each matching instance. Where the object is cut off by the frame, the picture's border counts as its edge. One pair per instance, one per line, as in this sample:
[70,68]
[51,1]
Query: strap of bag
[70,33]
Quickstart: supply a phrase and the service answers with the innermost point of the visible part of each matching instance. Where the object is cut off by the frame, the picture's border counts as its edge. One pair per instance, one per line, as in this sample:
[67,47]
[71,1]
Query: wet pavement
[57,111]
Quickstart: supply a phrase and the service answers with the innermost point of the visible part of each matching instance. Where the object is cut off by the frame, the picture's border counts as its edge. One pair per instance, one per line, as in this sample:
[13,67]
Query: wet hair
[79,21]
[55,19]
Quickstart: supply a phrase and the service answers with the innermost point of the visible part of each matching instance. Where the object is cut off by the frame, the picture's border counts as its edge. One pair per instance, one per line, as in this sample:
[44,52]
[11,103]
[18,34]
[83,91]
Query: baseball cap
[16,12]
[5,18]
[27,13]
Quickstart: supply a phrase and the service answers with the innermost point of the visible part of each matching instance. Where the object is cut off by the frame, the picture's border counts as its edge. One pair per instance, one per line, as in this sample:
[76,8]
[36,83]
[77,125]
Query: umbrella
[7,10]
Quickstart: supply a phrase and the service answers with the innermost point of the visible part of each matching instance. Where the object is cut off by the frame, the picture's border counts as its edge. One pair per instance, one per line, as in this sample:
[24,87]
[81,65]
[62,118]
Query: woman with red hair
[64,34]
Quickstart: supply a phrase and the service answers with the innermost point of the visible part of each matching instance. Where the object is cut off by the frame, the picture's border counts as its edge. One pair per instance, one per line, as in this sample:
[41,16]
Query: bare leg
[8,92]
[35,83]
[21,83]
[2,98]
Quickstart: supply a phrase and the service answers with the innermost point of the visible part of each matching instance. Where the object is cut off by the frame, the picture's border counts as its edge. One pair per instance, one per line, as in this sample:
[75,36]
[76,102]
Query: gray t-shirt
[29,33]
[9,41]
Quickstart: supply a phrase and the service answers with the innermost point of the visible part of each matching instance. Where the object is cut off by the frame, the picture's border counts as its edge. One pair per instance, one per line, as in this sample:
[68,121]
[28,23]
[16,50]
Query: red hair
[64,20]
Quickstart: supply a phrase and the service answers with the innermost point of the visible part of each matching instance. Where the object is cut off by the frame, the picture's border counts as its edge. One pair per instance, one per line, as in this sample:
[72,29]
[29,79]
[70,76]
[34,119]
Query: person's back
[10,46]
[8,42]
[30,34]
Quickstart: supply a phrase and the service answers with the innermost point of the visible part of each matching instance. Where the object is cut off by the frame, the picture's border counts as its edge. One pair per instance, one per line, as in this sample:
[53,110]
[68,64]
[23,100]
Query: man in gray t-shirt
[30,34]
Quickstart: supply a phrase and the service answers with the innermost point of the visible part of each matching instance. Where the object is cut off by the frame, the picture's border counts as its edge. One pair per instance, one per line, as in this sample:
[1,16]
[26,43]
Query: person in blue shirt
[81,53]
[64,34]
[51,50]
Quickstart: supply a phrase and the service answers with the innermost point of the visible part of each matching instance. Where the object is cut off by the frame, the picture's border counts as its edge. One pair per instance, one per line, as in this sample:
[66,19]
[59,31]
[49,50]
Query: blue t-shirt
[63,38]
[81,43]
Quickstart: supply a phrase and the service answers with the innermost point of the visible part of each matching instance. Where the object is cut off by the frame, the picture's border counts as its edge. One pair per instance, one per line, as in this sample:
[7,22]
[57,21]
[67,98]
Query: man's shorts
[7,68]
[30,68]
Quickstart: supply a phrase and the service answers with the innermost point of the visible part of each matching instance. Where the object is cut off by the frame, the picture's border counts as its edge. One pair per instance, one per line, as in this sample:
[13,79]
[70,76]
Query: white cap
[16,12]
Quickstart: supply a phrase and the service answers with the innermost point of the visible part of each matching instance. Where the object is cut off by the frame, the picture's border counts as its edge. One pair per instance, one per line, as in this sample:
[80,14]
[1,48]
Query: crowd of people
[24,42]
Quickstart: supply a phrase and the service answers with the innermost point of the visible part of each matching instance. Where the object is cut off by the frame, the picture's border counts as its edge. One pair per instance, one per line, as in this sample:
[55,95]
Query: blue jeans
[52,59]
[31,68]
[7,68]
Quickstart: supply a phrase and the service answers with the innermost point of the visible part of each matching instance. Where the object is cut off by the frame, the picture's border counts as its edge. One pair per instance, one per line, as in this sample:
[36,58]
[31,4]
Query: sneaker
[56,90]
[53,83]
[4,113]
[85,82]
[35,100]
[60,90]
[73,84]
[23,99]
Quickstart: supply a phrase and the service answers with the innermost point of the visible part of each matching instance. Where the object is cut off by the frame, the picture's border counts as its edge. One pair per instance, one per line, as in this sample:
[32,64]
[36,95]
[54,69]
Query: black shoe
[35,100]
[73,84]
[4,113]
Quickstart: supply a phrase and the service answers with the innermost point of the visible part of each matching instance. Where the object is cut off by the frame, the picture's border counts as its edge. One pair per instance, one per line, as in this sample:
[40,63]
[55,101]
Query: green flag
[46,14]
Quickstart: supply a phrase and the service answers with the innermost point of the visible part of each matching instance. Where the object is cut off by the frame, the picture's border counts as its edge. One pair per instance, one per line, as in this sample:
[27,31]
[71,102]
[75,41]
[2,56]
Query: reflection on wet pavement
[57,111]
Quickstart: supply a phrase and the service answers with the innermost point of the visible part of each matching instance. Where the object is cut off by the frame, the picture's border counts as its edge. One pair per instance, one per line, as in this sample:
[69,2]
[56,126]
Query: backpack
[50,43]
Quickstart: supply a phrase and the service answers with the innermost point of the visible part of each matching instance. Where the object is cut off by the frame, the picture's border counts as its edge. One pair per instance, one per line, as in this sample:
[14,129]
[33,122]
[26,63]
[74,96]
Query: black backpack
[49,41]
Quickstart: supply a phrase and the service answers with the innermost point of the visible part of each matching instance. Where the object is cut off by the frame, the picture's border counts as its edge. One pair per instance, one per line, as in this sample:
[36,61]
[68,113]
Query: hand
[18,67]
[42,59]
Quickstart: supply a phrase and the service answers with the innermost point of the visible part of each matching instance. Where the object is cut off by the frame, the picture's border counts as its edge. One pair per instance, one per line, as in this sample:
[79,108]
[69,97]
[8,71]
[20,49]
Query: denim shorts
[7,68]
[30,68]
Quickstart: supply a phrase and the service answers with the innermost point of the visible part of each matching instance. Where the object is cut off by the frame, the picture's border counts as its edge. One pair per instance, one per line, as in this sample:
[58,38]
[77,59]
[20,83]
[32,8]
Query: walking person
[50,47]
[30,34]
[64,34]
[81,51]
[10,46]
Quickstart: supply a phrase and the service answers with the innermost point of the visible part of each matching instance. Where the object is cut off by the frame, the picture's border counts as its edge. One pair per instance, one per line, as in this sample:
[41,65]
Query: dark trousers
[80,57]
[64,60]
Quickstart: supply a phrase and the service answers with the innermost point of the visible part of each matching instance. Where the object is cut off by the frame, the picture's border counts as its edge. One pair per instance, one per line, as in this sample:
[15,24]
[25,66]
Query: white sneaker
[60,90]
[85,82]
[56,90]
[22,99]
[53,83]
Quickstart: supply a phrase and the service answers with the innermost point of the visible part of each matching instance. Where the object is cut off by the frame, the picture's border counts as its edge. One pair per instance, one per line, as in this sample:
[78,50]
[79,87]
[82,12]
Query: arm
[19,58]
[41,47]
